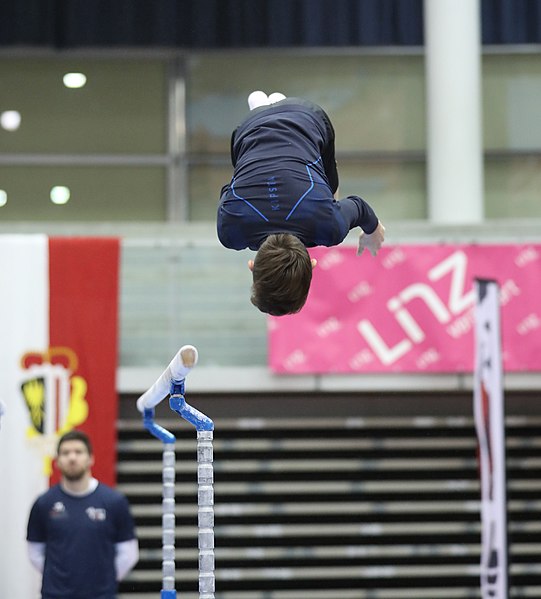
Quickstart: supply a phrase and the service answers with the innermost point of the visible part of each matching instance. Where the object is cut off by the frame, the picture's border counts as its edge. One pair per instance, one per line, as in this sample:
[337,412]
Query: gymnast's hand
[371,241]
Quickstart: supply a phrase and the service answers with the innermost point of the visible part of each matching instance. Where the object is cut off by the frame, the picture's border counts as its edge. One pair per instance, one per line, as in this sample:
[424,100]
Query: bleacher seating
[379,507]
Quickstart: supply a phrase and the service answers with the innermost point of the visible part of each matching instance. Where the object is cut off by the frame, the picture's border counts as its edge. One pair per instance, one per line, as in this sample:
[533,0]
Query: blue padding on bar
[178,404]
[168,595]
[155,429]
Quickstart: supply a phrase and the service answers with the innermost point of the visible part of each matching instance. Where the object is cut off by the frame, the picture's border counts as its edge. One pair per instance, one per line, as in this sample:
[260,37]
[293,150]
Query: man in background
[81,534]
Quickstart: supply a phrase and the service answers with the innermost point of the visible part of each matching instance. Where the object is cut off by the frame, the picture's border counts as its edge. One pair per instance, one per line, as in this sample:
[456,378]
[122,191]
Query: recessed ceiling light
[3,198]
[60,195]
[10,120]
[74,80]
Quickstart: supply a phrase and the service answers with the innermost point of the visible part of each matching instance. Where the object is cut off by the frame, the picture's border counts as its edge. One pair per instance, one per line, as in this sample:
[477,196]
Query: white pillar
[454,126]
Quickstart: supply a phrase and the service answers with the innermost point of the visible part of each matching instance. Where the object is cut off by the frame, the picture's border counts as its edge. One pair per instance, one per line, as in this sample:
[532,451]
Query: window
[147,138]
[376,104]
[104,137]
[512,135]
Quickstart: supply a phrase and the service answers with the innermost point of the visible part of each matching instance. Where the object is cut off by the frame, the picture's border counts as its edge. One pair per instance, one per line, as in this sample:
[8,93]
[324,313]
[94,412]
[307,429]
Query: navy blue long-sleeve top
[284,180]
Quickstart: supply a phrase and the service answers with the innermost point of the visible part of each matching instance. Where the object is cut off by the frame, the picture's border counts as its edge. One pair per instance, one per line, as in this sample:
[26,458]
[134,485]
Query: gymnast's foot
[257,99]
[276,97]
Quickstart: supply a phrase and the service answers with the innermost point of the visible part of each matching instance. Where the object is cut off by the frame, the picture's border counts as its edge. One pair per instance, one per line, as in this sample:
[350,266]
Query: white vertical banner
[24,325]
[489,415]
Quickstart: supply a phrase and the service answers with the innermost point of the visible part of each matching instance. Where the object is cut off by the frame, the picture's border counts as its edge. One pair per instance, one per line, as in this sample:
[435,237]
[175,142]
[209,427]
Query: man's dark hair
[282,274]
[75,435]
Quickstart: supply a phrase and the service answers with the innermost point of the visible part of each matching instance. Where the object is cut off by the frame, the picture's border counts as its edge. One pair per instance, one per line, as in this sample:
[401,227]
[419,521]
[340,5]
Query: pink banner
[410,309]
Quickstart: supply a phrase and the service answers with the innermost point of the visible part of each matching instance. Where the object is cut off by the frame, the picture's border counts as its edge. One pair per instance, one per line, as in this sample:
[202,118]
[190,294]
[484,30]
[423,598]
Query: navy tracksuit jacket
[284,180]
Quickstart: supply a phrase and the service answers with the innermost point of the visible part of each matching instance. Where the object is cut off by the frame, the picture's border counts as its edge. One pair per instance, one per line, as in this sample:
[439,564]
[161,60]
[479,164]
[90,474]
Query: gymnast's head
[282,273]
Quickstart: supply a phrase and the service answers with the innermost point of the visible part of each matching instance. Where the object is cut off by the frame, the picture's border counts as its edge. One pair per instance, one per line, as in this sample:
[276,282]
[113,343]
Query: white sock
[276,97]
[257,99]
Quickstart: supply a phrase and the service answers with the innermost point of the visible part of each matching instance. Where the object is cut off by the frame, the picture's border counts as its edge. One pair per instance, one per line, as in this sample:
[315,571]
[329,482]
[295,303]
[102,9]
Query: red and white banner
[410,309]
[58,356]
[489,414]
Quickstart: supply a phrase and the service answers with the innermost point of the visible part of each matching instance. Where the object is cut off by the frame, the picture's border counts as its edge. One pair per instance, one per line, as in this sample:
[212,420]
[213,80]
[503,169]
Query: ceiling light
[10,120]
[60,195]
[3,198]
[74,80]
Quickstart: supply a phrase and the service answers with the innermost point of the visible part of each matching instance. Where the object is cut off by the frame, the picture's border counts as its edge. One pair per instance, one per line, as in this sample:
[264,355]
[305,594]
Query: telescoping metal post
[205,486]
[168,503]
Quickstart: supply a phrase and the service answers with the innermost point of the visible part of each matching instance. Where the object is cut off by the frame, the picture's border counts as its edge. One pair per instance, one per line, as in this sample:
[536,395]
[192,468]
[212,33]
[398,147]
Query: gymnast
[282,199]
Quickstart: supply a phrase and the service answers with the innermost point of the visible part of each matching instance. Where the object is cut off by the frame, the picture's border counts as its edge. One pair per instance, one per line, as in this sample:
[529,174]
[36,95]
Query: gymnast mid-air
[282,199]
